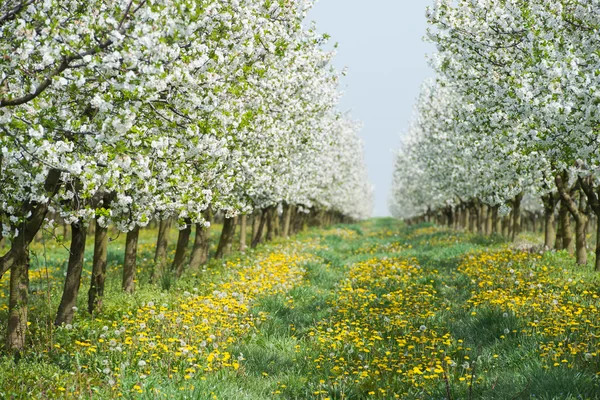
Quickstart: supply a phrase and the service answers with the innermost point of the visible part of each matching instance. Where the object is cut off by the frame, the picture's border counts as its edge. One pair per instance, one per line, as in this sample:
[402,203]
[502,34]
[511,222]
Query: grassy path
[369,311]
[390,312]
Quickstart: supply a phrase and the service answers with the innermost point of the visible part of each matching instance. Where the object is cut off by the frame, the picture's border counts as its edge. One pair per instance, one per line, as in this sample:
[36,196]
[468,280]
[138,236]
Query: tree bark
[182,244]
[18,297]
[472,219]
[259,231]
[482,219]
[255,222]
[488,220]
[549,202]
[277,223]
[287,217]
[68,302]
[566,235]
[162,242]
[96,291]
[271,212]
[226,239]
[516,228]
[27,231]
[243,232]
[506,226]
[201,247]
[580,218]
[129,266]
[593,195]
[496,228]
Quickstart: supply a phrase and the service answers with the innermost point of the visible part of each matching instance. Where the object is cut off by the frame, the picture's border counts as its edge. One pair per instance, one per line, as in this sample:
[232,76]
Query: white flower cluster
[168,107]
[514,107]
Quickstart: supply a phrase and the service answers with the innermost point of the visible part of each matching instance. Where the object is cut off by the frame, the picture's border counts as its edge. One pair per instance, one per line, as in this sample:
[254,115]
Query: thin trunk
[201,246]
[496,229]
[558,243]
[18,297]
[162,242]
[182,244]
[68,302]
[593,196]
[580,241]
[549,233]
[506,224]
[271,212]
[287,216]
[575,210]
[565,229]
[488,220]
[255,223]
[277,222]
[96,291]
[243,233]
[226,239]
[597,264]
[482,219]
[516,228]
[36,214]
[474,219]
[129,266]
[259,231]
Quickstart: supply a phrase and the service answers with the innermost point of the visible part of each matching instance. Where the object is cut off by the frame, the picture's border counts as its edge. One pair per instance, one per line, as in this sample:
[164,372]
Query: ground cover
[372,310]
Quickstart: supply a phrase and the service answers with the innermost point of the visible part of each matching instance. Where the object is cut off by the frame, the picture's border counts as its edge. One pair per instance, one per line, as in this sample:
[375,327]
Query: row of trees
[132,111]
[512,116]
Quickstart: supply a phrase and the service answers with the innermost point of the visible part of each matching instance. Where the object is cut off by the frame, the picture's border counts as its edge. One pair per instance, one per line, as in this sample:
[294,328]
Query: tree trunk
[597,263]
[580,241]
[593,196]
[580,218]
[35,213]
[243,233]
[18,297]
[162,242]
[566,242]
[96,291]
[182,244]
[129,266]
[270,223]
[201,247]
[482,219]
[472,219]
[506,226]
[259,231]
[549,233]
[226,239]
[488,220]
[68,302]
[277,222]
[496,229]
[516,228]
[287,217]
[255,223]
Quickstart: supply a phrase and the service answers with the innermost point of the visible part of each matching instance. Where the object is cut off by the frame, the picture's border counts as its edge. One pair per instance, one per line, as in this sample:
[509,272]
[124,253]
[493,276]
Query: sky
[381,44]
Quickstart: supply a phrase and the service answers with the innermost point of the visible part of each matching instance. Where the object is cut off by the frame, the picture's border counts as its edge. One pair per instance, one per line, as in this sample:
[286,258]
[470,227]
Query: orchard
[186,207]
[131,112]
[507,131]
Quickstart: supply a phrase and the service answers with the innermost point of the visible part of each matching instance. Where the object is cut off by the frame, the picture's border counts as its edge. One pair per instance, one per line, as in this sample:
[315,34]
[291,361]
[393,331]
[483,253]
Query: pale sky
[380,41]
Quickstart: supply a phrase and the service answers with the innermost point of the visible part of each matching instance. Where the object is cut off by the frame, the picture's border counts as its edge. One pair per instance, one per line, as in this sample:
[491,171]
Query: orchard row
[511,120]
[132,111]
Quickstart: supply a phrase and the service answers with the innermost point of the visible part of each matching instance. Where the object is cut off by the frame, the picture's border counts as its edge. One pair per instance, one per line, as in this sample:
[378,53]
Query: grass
[376,310]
